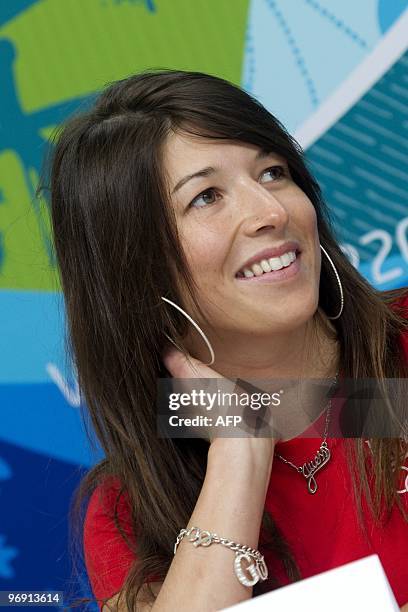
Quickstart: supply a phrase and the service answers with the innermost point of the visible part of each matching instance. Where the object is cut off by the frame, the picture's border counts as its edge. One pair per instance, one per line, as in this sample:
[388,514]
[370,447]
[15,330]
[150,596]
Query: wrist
[246,456]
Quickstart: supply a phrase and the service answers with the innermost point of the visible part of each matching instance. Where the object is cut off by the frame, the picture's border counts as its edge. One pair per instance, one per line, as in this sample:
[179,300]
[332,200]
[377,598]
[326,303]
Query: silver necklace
[310,468]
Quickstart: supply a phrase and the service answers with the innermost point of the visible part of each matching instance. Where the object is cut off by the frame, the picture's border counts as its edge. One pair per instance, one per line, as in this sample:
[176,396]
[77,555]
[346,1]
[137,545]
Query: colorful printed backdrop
[334,72]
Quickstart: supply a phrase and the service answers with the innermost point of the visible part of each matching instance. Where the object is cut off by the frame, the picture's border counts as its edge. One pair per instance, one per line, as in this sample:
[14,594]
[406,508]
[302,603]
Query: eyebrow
[262,154]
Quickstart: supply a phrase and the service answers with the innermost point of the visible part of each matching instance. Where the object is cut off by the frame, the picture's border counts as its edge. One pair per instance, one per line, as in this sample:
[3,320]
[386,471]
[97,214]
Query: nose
[262,210]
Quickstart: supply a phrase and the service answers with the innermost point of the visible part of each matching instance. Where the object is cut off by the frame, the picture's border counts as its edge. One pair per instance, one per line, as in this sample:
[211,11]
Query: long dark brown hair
[118,252]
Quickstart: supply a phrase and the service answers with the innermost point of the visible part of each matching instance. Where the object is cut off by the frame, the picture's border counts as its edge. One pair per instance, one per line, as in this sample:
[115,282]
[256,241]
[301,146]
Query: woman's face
[244,203]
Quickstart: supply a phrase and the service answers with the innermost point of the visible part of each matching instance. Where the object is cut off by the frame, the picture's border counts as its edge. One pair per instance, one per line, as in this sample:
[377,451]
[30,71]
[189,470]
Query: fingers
[186,366]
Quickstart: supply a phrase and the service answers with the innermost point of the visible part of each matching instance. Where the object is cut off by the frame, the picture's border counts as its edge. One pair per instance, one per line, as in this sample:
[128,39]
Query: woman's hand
[405,608]
[243,435]
[186,366]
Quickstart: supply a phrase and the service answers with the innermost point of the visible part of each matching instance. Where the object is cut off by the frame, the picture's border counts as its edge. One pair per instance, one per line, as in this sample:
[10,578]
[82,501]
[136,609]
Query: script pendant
[310,468]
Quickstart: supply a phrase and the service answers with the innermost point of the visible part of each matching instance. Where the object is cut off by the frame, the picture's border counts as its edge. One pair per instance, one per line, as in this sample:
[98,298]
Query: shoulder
[107,495]
[108,555]
[108,500]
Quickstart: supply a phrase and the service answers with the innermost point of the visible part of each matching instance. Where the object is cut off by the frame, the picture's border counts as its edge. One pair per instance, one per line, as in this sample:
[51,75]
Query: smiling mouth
[269,266]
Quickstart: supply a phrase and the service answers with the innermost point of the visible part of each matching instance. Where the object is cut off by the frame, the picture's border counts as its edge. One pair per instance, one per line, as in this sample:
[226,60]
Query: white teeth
[267,265]
[286,259]
[276,263]
[257,270]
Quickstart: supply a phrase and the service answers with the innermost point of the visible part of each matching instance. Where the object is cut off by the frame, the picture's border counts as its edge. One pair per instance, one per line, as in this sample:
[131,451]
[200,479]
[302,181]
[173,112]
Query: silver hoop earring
[198,328]
[338,282]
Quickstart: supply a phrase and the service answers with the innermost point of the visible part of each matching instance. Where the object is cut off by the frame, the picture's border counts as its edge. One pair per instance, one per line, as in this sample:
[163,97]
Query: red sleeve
[108,558]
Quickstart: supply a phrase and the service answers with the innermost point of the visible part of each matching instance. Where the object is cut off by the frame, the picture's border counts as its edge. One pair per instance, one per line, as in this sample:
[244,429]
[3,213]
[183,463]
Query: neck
[310,351]
[305,352]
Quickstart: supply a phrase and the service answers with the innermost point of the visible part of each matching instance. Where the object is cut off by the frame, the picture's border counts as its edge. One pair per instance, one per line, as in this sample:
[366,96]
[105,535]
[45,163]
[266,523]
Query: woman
[242,252]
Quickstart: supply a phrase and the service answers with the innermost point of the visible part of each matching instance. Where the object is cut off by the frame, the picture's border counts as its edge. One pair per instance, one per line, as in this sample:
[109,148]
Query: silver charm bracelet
[257,570]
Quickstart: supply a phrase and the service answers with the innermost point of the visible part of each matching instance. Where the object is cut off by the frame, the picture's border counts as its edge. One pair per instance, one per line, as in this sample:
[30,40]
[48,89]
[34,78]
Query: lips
[275,276]
[267,253]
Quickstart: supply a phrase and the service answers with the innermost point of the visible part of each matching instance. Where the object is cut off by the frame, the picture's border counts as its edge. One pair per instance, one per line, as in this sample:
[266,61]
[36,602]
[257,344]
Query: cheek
[305,219]
[304,211]
[205,252]
[313,241]
[311,224]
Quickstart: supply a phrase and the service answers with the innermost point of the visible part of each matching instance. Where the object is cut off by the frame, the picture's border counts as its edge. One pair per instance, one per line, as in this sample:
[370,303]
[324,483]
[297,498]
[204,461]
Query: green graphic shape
[68,49]
[26,263]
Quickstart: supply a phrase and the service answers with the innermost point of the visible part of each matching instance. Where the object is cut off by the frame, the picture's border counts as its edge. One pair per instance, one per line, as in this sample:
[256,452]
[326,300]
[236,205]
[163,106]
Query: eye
[277,171]
[203,195]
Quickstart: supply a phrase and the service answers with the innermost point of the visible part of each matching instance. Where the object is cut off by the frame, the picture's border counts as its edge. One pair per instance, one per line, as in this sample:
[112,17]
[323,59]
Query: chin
[302,310]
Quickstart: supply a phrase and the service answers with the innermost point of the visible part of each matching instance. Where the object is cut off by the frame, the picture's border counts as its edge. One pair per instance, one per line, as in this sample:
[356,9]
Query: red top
[321,529]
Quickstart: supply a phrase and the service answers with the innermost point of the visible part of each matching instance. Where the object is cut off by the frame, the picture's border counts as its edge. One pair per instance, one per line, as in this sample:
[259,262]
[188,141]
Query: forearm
[231,503]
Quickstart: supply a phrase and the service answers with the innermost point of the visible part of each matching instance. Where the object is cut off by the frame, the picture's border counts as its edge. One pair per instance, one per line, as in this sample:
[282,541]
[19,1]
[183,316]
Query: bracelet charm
[256,567]
[251,568]
[201,538]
